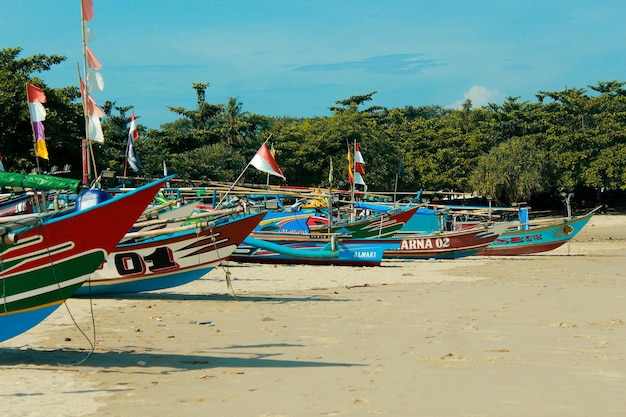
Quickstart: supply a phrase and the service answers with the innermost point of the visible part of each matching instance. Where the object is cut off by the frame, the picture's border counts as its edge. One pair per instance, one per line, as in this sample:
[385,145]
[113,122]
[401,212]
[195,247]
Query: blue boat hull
[151,283]
[19,322]
[349,252]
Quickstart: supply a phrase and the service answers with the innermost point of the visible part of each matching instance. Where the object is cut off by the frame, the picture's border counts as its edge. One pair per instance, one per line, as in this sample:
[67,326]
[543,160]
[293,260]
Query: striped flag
[131,154]
[94,113]
[359,171]
[36,97]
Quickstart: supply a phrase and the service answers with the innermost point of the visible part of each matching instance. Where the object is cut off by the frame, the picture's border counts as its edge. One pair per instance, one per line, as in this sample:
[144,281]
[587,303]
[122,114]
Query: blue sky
[296,57]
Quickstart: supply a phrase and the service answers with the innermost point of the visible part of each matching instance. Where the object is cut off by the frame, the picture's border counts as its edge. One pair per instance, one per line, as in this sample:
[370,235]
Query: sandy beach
[540,335]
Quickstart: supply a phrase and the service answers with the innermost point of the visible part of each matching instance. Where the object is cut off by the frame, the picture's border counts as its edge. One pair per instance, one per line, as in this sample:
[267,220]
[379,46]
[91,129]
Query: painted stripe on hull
[521,249]
[44,290]
[151,283]
[67,269]
[536,240]
[439,255]
[301,261]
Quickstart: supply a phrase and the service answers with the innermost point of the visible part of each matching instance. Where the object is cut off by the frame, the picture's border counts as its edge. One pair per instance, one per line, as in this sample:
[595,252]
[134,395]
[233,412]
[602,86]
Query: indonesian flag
[264,161]
[36,97]
[95,82]
[94,113]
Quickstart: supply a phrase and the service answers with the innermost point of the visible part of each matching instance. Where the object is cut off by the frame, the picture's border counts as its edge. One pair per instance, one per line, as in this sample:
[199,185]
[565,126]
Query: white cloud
[479,96]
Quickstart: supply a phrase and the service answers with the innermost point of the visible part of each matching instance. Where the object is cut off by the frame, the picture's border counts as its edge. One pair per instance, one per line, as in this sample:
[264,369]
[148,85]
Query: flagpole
[32,126]
[126,155]
[330,198]
[353,199]
[395,189]
[231,187]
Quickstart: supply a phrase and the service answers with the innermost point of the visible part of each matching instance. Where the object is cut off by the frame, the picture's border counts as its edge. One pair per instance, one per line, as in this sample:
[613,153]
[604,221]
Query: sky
[297,58]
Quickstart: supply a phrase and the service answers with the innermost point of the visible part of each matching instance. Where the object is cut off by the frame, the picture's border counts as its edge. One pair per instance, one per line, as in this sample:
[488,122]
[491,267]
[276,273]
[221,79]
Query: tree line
[565,141]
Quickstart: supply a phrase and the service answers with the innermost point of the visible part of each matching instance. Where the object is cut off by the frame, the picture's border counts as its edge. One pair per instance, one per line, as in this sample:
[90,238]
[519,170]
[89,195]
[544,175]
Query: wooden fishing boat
[536,238]
[44,261]
[171,258]
[309,249]
[520,237]
[444,245]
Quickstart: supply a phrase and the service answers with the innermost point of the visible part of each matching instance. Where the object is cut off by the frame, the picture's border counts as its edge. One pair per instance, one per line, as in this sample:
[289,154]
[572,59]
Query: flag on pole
[357,163]
[36,97]
[264,161]
[133,159]
[131,154]
[359,171]
[330,173]
[94,113]
[92,61]
[167,183]
[89,35]
[95,81]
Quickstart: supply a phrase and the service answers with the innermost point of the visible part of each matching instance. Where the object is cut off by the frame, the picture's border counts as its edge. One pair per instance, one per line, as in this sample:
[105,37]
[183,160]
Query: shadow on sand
[174,296]
[139,358]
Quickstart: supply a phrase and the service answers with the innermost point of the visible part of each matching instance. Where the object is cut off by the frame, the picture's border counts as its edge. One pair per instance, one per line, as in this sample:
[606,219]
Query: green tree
[511,172]
[62,124]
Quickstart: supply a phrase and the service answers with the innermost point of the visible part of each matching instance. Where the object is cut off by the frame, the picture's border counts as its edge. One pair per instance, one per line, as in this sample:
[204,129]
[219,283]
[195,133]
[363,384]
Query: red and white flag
[94,113]
[133,133]
[264,161]
[359,170]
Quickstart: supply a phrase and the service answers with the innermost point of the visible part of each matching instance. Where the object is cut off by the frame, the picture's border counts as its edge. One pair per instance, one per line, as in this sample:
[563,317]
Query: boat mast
[330,198]
[86,144]
[352,197]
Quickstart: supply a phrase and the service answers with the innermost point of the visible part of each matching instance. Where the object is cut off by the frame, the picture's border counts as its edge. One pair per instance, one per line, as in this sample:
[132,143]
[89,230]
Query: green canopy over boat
[38,182]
